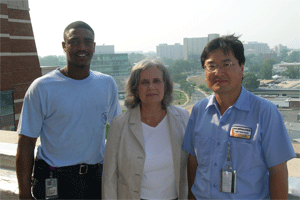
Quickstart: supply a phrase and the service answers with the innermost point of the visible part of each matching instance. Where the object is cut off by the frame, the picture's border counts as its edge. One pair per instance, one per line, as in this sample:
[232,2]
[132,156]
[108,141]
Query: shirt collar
[242,102]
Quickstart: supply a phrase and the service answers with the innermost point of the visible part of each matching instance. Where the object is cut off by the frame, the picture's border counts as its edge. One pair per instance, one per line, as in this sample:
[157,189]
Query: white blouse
[158,180]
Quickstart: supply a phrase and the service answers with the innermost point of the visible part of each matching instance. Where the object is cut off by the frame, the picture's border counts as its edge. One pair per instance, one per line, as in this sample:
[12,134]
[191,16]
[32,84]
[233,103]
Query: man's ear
[64,46]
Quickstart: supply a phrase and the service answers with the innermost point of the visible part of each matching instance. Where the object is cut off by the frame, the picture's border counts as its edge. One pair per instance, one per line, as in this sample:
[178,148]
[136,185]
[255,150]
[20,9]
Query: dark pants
[74,182]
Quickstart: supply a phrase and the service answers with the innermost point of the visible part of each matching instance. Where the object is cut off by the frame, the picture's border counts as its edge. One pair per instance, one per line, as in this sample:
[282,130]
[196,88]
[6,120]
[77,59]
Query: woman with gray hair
[143,157]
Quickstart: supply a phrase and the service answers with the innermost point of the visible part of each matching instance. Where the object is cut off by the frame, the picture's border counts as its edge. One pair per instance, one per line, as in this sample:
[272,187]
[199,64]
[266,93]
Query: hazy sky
[140,25]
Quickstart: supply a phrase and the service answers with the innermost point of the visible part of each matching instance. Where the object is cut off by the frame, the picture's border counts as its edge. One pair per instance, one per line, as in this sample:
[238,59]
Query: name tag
[51,188]
[240,132]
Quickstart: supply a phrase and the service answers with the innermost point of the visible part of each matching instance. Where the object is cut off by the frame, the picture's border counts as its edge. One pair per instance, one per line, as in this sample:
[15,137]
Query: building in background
[19,60]
[193,47]
[256,48]
[116,65]
[105,49]
[279,48]
[270,56]
[174,52]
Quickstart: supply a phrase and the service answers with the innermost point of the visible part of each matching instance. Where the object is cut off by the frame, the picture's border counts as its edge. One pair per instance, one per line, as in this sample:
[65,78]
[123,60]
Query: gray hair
[132,98]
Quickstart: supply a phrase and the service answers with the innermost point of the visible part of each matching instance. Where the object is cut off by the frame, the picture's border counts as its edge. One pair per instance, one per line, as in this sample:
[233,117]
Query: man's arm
[192,168]
[24,165]
[279,181]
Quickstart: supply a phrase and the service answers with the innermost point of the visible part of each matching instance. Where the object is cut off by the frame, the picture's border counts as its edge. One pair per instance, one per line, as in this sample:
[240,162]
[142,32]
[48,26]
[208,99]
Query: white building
[256,48]
[174,52]
[279,48]
[195,46]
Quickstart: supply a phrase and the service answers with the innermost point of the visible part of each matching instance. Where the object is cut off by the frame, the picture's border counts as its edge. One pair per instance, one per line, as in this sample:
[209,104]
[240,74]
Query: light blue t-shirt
[70,116]
[207,136]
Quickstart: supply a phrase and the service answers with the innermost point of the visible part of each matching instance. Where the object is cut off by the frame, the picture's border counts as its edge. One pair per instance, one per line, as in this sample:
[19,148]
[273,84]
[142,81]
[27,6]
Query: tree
[294,57]
[49,61]
[255,68]
[292,72]
[184,65]
[266,71]
[250,81]
[167,61]
[283,55]
[178,77]
[270,62]
[135,58]
[249,60]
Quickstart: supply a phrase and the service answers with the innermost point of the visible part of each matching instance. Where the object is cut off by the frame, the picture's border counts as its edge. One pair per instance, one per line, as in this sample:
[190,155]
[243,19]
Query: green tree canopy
[135,58]
[266,71]
[49,61]
[292,72]
[294,57]
[250,81]
[283,55]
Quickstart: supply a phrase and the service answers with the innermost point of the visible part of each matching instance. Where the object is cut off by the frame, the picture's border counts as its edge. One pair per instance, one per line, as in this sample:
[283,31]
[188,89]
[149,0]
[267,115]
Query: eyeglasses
[225,66]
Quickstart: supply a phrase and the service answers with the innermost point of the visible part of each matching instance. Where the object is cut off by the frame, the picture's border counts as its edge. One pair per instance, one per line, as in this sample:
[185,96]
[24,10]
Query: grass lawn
[199,80]
[179,98]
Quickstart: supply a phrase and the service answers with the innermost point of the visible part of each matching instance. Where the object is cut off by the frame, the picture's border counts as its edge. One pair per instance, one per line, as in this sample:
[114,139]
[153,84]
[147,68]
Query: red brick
[25,62]
[18,14]
[27,75]
[3,9]
[16,124]
[4,44]
[22,46]
[4,26]
[6,81]
[18,107]
[17,72]
[20,90]
[17,29]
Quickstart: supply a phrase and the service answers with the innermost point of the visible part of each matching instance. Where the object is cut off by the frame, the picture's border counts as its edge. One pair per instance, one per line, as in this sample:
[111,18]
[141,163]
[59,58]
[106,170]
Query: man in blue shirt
[237,142]
[68,108]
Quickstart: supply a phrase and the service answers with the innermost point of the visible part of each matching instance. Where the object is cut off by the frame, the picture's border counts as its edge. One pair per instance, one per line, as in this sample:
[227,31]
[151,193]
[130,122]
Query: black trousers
[73,182]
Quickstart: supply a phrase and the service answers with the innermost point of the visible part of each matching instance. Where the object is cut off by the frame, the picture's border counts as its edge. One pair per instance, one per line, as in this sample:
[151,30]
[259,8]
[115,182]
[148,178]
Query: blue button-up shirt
[207,136]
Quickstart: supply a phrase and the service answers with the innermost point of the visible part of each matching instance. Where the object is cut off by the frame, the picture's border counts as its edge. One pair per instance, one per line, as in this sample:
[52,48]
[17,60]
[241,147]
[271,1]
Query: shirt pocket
[246,154]
[203,150]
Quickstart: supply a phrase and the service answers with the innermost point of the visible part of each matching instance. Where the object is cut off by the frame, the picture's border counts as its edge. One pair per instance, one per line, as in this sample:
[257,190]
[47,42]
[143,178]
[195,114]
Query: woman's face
[151,88]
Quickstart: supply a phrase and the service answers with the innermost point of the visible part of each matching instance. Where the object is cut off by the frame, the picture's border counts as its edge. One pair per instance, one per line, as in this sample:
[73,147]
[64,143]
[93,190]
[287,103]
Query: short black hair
[77,24]
[227,43]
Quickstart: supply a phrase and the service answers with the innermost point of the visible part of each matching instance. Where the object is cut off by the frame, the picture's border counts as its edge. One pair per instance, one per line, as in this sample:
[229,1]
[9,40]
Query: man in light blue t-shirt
[237,142]
[68,109]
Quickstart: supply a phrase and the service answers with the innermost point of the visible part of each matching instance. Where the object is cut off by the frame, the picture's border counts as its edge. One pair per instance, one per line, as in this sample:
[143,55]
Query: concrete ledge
[296,147]
[7,162]
[6,194]
[8,149]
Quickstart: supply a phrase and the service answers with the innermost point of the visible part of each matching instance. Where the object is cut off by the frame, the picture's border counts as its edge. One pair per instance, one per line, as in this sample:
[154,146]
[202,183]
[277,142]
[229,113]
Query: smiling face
[151,87]
[224,81]
[79,46]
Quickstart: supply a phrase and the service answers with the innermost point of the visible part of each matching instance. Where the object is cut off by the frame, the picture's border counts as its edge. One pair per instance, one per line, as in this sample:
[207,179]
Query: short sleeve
[31,118]
[276,145]
[114,105]
[188,141]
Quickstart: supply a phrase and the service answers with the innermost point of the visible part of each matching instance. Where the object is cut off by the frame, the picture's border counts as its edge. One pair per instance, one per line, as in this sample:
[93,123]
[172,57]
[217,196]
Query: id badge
[51,188]
[228,180]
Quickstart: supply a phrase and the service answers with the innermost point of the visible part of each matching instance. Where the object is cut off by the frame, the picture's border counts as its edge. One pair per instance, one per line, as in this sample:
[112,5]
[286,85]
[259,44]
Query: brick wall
[18,54]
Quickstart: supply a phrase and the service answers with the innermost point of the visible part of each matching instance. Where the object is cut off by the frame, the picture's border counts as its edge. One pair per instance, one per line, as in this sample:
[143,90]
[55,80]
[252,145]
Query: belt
[74,169]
